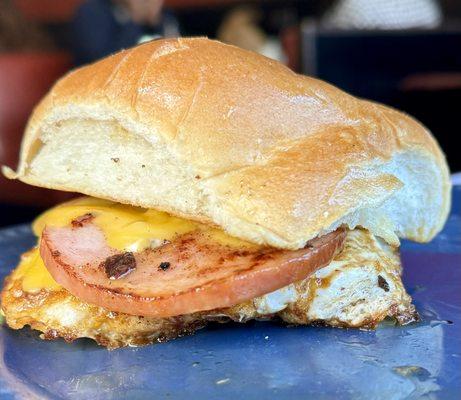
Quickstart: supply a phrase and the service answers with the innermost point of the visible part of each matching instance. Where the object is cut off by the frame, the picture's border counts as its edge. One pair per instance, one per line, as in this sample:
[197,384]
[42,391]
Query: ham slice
[189,274]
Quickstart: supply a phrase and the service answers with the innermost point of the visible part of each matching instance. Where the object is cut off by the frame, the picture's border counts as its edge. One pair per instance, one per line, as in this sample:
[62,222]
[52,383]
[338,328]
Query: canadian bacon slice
[189,274]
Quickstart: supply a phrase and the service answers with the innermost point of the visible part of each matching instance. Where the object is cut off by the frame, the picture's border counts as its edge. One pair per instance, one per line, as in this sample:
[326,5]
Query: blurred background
[404,53]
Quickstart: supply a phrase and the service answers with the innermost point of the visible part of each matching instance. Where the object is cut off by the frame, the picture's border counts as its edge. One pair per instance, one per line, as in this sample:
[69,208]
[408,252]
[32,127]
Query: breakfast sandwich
[218,186]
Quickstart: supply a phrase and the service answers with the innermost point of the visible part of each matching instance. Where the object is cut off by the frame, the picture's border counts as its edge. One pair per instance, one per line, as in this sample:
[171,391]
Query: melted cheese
[129,228]
[126,228]
[34,274]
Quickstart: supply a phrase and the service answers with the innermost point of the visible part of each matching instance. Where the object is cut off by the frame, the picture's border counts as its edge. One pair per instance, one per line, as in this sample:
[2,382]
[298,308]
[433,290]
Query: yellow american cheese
[34,274]
[126,228]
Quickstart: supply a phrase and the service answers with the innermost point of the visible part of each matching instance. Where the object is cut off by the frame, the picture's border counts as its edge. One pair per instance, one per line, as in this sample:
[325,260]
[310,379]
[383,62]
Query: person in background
[102,27]
[240,27]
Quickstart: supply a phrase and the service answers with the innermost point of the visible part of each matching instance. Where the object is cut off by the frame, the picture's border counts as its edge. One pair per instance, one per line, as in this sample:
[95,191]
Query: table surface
[261,360]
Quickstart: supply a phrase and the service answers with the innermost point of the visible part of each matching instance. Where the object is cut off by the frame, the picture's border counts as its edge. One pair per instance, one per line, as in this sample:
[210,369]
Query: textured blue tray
[261,360]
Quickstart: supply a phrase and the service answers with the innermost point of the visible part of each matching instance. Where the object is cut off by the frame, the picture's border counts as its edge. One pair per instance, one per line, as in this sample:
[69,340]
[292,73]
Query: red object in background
[48,10]
[24,80]
[291,44]
[63,10]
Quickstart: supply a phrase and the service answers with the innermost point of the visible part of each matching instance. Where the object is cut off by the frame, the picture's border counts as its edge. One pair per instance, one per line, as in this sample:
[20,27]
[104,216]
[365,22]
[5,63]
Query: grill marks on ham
[202,274]
[119,265]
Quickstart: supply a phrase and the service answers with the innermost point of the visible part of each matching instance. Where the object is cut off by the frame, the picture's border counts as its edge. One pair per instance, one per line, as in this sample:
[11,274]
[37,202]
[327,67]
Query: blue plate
[260,360]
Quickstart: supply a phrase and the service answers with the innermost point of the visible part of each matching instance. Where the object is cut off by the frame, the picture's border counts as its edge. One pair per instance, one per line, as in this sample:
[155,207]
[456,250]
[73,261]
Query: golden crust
[237,140]
[60,314]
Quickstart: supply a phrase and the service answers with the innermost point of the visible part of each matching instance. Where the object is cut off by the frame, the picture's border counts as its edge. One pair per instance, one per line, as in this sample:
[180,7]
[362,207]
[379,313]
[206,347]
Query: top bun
[225,136]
